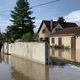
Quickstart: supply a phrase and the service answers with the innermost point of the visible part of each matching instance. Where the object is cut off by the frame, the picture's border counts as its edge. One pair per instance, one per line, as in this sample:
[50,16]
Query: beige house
[48,27]
[67,37]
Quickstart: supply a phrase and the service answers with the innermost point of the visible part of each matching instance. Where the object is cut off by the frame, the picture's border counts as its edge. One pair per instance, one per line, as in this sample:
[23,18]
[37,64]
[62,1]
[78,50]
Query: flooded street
[14,68]
[71,55]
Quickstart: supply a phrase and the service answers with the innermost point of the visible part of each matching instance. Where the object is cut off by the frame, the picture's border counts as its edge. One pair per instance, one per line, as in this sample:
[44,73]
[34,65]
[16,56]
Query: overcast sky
[70,9]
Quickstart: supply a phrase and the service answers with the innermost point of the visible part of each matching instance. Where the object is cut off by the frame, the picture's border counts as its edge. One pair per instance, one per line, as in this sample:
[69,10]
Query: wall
[72,54]
[46,34]
[34,51]
[57,27]
[78,48]
[56,40]
[50,39]
[66,40]
[78,42]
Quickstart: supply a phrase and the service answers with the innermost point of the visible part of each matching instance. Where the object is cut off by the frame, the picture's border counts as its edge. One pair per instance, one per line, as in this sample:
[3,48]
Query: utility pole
[7,44]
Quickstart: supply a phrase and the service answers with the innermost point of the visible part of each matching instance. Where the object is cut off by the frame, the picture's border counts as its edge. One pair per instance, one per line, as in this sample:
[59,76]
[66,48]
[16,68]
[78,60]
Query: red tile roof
[64,24]
[74,30]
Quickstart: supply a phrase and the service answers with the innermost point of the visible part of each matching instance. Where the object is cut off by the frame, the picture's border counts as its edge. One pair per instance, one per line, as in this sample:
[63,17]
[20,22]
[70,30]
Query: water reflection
[71,54]
[15,68]
[67,72]
[5,72]
[28,70]
[0,58]
[16,75]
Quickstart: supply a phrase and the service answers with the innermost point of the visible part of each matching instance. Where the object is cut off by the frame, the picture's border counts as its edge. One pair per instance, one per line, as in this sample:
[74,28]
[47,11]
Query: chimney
[51,24]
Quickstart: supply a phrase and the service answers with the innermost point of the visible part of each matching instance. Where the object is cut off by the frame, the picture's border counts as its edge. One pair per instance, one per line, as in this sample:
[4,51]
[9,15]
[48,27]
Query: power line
[33,6]
[36,5]
[44,3]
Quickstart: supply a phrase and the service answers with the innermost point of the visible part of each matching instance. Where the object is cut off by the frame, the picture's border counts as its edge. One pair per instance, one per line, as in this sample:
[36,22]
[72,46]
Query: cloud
[74,16]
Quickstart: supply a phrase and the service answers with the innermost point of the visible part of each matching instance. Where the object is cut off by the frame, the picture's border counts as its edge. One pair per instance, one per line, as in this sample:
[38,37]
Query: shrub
[59,47]
[27,37]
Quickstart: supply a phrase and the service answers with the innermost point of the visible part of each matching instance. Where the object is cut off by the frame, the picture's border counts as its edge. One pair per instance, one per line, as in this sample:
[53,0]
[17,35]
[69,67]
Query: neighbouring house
[48,27]
[67,37]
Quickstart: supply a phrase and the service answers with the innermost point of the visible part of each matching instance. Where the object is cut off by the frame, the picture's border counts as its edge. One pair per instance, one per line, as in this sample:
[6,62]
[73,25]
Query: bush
[27,37]
[59,47]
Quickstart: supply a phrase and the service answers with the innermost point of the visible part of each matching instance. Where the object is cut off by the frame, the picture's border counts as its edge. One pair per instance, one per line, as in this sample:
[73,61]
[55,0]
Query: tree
[22,21]
[27,37]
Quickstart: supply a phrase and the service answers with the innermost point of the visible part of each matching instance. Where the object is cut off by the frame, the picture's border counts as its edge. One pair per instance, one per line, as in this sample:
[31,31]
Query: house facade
[43,32]
[48,27]
[67,37]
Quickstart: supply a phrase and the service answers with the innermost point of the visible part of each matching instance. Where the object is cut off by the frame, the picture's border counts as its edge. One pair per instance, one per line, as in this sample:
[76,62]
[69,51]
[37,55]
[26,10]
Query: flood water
[71,55]
[14,68]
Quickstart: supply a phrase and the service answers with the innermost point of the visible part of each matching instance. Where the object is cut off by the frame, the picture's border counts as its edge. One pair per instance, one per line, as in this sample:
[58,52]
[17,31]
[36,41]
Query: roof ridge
[63,22]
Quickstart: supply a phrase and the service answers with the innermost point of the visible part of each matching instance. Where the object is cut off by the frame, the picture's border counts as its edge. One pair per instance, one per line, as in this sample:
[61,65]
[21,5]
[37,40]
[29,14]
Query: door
[73,48]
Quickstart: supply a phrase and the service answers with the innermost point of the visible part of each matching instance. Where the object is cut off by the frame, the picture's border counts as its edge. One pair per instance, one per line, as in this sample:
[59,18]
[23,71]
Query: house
[48,27]
[67,37]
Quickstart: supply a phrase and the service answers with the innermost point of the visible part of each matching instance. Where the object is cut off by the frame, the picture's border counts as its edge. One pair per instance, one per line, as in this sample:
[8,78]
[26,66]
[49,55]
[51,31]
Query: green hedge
[60,47]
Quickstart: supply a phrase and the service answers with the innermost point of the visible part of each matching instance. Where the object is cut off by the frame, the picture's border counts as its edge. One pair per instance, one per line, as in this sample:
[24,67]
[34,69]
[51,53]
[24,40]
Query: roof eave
[68,34]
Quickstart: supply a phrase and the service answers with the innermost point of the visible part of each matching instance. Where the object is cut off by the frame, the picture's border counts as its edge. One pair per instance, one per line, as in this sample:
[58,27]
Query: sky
[69,9]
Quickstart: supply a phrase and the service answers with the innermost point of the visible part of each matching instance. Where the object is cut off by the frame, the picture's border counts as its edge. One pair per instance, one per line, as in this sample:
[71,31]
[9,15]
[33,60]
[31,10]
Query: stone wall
[38,52]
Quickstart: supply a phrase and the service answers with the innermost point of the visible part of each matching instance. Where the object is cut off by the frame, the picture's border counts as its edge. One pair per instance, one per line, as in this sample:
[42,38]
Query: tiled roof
[74,30]
[47,23]
[64,24]
[69,25]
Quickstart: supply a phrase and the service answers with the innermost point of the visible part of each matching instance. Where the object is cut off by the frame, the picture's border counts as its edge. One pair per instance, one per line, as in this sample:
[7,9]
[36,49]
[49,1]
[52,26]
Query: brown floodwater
[71,55]
[14,68]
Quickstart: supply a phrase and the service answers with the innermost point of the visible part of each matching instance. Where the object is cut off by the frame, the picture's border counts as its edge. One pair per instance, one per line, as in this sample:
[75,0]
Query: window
[59,41]
[57,29]
[43,31]
[41,39]
[53,40]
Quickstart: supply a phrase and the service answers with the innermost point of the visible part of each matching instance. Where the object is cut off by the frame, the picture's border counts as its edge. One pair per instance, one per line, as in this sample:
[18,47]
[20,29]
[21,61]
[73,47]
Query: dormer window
[43,31]
[57,29]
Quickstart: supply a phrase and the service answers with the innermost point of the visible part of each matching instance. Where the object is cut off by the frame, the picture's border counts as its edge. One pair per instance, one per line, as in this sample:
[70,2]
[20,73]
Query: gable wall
[58,26]
[46,34]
